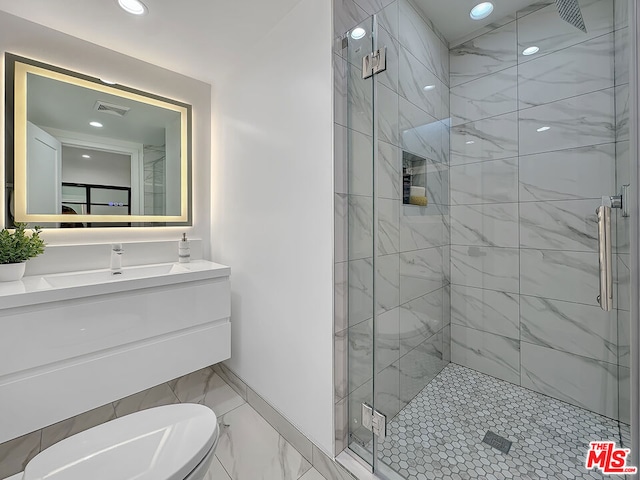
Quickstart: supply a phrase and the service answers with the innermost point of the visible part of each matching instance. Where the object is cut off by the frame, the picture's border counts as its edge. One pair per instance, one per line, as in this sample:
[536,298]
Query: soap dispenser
[184,250]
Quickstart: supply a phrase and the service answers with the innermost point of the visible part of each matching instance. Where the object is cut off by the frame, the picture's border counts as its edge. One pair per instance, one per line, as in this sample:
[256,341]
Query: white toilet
[174,442]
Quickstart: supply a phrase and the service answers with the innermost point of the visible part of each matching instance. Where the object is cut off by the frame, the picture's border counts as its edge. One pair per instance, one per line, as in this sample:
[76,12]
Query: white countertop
[32,290]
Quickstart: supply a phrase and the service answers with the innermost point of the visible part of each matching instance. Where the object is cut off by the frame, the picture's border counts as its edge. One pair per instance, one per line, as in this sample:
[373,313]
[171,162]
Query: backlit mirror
[82,152]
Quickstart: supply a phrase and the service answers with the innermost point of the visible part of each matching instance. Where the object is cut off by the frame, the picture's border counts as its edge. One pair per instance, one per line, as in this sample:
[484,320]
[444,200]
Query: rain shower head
[569,11]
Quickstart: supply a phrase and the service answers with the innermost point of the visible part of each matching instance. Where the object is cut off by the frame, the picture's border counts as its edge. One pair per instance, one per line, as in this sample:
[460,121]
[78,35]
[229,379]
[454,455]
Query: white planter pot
[12,272]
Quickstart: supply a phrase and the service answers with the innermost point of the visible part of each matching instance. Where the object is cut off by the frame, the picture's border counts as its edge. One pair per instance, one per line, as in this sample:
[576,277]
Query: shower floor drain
[497,442]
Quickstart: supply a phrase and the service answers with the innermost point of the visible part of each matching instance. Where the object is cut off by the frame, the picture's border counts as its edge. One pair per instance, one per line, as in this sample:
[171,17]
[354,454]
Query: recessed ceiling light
[358,33]
[108,82]
[135,7]
[543,129]
[530,51]
[86,156]
[96,124]
[482,10]
[428,87]
[470,142]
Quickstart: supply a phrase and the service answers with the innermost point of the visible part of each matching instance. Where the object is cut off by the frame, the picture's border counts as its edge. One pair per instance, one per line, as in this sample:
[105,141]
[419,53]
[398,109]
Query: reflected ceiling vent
[110,108]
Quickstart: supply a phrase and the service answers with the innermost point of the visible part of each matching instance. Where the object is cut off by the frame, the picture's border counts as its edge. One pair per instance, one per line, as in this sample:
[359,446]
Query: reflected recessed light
[358,33]
[135,7]
[482,10]
[96,124]
[86,156]
[530,51]
[108,82]
[428,87]
[543,129]
[470,142]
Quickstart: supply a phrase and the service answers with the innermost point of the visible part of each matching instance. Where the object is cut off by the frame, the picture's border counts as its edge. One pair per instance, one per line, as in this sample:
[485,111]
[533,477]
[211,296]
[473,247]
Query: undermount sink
[77,279]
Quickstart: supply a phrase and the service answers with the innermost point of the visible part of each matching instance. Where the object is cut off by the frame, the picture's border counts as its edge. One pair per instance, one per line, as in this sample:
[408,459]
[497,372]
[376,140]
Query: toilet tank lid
[162,443]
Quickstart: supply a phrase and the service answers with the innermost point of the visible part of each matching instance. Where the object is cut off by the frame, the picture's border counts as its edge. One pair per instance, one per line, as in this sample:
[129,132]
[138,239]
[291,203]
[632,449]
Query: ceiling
[198,38]
[451,17]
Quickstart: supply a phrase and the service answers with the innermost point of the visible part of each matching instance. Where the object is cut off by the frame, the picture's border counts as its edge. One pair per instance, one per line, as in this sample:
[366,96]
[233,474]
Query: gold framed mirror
[84,152]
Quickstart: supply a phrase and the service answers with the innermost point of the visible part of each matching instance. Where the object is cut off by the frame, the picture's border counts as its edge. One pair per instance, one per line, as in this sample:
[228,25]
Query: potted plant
[15,249]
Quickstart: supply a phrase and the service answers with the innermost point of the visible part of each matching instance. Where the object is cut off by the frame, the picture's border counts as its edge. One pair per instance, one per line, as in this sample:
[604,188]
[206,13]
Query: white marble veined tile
[419,39]
[389,171]
[420,133]
[485,97]
[569,276]
[622,113]
[207,388]
[582,68]
[546,30]
[421,272]
[216,471]
[446,344]
[361,345]
[360,227]
[387,106]
[420,319]
[488,225]
[624,395]
[388,226]
[596,165]
[359,163]
[341,226]
[360,101]
[342,432]
[493,181]
[388,390]
[621,13]
[373,6]
[622,56]
[560,225]
[574,379]
[80,423]
[346,15]
[388,282]
[388,19]
[624,334]
[340,295]
[486,310]
[485,54]
[574,122]
[494,268]
[153,397]
[250,448]
[387,341]
[487,139]
[485,352]
[16,453]
[340,149]
[389,77]
[437,184]
[340,364]
[421,86]
[623,281]
[534,7]
[571,327]
[421,228]
[420,366]
[360,290]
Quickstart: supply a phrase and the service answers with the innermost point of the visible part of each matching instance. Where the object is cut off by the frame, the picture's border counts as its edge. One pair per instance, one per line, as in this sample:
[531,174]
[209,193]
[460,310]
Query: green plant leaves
[17,246]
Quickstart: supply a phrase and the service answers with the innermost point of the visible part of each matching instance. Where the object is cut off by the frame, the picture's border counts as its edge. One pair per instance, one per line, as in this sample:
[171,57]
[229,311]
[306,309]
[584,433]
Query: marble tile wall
[411,274]
[524,266]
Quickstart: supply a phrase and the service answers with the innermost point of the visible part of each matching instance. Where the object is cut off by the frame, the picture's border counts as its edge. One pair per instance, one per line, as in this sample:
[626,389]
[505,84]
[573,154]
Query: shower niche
[414,180]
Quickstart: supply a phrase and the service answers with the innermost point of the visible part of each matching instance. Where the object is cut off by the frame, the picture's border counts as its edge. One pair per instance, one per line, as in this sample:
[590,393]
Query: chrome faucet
[116,258]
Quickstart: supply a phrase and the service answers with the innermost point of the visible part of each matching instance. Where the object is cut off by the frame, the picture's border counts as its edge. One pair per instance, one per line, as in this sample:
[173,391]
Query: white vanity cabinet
[75,341]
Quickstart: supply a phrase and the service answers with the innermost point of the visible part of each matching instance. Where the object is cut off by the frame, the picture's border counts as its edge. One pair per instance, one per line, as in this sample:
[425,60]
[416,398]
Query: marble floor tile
[153,397]
[15,454]
[207,388]
[250,448]
[66,428]
[217,471]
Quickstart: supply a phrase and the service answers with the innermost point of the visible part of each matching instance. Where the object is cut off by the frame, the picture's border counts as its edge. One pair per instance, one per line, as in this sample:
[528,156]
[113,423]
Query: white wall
[273,216]
[28,39]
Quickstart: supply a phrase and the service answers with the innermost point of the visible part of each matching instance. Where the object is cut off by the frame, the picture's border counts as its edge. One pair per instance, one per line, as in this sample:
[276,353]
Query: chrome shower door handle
[605,299]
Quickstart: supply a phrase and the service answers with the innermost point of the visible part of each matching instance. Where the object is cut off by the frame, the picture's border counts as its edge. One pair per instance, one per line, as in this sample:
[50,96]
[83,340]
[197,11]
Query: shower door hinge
[374,421]
[375,62]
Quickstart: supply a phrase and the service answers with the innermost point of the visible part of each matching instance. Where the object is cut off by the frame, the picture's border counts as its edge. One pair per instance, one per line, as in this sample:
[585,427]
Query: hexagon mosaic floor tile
[439,434]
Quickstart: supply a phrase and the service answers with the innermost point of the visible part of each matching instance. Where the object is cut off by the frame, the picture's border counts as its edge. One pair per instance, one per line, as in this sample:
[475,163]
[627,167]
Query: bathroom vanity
[75,341]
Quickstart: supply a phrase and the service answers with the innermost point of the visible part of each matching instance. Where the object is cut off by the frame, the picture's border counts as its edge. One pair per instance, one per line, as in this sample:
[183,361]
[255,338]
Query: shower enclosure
[484,302]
